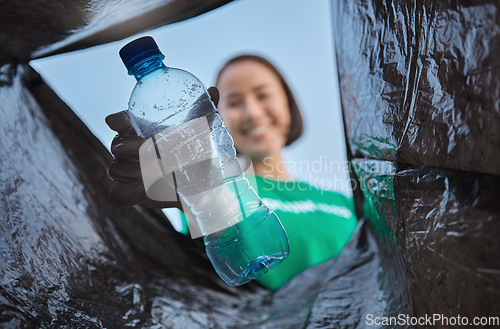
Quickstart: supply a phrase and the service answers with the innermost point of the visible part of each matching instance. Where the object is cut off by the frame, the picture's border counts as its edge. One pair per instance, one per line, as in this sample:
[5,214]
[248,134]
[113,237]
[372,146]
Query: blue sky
[296,35]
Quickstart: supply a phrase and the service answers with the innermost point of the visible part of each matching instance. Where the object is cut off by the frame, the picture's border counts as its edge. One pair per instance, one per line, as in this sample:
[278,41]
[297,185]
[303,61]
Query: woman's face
[254,107]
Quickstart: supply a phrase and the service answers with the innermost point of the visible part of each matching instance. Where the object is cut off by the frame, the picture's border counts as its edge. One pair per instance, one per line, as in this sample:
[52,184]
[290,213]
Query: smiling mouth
[256,131]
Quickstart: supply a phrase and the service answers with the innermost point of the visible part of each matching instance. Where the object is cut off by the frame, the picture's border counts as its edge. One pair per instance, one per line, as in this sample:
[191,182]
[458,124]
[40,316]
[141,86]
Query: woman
[262,116]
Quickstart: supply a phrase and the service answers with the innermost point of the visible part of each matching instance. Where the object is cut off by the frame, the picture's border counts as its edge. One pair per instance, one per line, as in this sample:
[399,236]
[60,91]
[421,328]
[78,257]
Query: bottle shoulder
[170,74]
[170,81]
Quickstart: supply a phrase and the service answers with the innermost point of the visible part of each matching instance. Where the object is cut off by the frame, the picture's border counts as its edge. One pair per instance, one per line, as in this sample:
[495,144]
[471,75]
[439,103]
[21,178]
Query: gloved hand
[127,187]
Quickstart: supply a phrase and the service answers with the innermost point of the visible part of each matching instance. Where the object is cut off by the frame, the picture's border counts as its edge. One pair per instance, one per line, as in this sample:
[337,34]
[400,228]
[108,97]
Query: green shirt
[318,224]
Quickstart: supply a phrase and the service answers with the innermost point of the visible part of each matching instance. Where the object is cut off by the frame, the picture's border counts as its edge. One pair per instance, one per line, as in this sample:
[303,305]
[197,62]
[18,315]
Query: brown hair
[296,124]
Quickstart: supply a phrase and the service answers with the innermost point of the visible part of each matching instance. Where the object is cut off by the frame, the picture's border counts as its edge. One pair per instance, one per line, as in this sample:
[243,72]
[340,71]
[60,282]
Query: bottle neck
[147,66]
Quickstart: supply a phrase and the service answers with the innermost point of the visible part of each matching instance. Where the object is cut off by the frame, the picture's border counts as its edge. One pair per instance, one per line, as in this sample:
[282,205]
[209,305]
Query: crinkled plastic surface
[445,224]
[451,228]
[420,91]
[31,29]
[420,81]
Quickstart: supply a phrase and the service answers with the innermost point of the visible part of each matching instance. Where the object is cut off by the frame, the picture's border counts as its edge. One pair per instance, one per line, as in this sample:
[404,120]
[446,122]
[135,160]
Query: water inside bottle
[248,249]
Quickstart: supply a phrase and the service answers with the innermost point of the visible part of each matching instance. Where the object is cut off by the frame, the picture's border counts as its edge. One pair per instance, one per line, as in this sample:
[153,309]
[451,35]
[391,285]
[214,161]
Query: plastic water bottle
[188,143]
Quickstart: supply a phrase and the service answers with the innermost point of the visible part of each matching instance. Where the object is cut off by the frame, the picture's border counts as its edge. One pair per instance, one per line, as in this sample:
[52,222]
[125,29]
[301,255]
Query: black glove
[127,187]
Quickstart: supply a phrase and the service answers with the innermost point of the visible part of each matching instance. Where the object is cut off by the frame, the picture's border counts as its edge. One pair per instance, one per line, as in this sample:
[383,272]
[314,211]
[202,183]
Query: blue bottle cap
[137,50]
